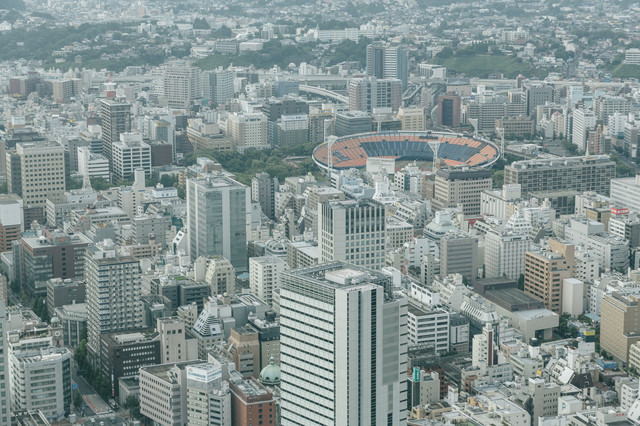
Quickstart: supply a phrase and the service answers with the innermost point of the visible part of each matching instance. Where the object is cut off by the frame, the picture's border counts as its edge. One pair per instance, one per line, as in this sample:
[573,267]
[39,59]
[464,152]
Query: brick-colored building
[252,403]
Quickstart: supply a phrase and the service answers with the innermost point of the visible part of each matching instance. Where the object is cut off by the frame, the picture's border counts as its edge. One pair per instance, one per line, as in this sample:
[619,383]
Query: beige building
[412,119]
[244,350]
[544,271]
[264,276]
[454,186]
[619,324]
[174,346]
[42,173]
[248,130]
[515,127]
[221,276]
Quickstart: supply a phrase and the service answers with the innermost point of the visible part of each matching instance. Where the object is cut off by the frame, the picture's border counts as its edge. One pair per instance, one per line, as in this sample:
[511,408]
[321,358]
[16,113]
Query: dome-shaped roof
[270,375]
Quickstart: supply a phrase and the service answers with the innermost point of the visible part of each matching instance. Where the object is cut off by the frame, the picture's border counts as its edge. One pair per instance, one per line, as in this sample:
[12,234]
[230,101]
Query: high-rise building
[352,231]
[244,350]
[504,252]
[584,120]
[248,130]
[263,192]
[40,380]
[619,324]
[459,255]
[461,186]
[129,154]
[537,94]
[38,257]
[5,404]
[218,85]
[264,276]
[581,174]
[208,396]
[115,118]
[370,93]
[42,171]
[449,110]
[181,84]
[114,287]
[343,347]
[216,219]
[388,62]
[173,342]
[544,271]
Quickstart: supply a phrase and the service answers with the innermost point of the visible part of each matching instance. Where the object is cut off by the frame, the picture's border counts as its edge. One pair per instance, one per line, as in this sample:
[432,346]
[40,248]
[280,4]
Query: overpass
[324,93]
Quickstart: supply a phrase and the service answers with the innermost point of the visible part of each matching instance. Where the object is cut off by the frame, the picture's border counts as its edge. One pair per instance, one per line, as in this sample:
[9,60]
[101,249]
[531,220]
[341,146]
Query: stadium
[454,149]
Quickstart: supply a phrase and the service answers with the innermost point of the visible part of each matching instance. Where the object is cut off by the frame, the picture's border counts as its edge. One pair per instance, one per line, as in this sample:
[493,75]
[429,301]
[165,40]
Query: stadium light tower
[500,131]
[330,142]
[434,145]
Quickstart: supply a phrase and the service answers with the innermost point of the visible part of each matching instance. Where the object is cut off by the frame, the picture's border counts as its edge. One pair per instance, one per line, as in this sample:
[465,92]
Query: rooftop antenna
[434,145]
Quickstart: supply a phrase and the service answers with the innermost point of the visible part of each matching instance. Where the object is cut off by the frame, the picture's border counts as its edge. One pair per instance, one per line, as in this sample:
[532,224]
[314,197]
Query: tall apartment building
[605,106]
[619,324]
[504,252]
[264,276]
[114,287]
[181,84]
[353,232]
[5,375]
[42,171]
[321,124]
[454,186]
[129,154]
[263,192]
[40,380]
[584,120]
[545,270]
[248,130]
[625,192]
[335,321]
[216,219]
[581,174]
[208,396]
[370,93]
[217,85]
[64,90]
[388,62]
[115,118]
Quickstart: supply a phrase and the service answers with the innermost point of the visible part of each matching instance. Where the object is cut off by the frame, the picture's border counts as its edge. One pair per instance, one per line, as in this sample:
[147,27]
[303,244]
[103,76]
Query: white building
[583,121]
[328,311]
[37,187]
[180,84]
[264,276]
[353,232]
[626,192]
[572,297]
[128,154]
[92,165]
[208,396]
[41,380]
[504,252]
[428,326]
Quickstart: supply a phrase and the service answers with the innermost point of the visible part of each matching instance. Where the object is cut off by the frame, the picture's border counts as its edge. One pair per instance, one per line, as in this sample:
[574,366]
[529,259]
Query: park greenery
[276,161]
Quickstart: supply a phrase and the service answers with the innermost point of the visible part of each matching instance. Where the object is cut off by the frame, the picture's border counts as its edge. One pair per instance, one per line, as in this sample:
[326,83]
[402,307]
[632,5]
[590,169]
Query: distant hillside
[12,4]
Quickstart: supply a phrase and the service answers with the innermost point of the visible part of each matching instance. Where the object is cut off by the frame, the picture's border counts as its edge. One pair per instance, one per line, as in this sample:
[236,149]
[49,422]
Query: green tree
[133,405]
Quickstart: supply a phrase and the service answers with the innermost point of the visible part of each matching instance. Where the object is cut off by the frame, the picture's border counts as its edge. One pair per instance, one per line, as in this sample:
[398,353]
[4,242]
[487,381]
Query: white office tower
[41,380]
[352,231]
[583,121]
[5,411]
[505,248]
[114,287]
[181,84]
[208,396]
[264,276]
[343,354]
[217,85]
